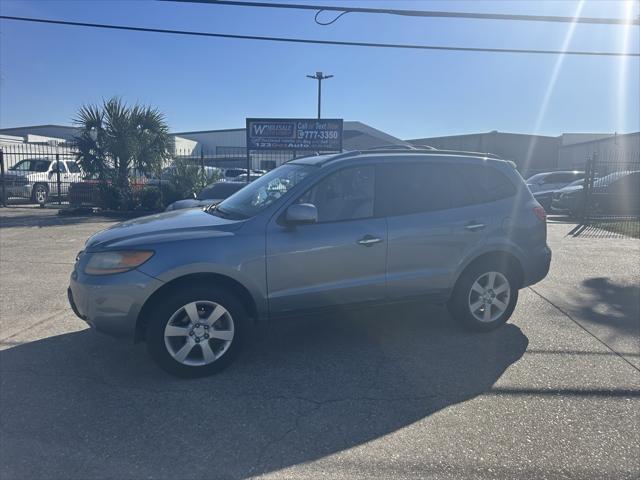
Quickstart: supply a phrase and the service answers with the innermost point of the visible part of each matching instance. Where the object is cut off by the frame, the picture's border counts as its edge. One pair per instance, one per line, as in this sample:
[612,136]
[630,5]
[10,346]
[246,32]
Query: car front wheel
[484,297]
[196,332]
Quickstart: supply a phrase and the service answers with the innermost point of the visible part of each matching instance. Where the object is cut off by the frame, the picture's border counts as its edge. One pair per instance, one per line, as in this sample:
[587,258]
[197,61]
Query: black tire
[40,193]
[171,304]
[460,303]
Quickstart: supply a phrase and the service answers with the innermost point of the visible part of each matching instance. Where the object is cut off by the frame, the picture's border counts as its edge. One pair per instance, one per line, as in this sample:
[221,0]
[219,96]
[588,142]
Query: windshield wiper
[216,210]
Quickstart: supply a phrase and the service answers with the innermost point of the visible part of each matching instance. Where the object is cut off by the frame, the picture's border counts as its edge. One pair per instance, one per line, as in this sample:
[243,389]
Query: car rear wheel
[40,193]
[196,332]
[484,297]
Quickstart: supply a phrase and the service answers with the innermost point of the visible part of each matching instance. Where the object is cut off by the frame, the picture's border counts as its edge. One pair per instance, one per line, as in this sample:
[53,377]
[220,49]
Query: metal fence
[52,174]
[611,191]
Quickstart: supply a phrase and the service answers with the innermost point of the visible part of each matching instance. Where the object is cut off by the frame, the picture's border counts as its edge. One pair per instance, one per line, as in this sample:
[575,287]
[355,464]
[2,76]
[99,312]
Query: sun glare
[552,83]
[623,81]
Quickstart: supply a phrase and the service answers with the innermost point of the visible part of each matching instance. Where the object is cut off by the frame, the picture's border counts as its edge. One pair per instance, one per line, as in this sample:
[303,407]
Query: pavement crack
[585,329]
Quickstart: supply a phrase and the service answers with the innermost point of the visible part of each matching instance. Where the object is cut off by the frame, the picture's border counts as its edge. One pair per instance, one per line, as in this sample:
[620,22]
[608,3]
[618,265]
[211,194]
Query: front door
[339,260]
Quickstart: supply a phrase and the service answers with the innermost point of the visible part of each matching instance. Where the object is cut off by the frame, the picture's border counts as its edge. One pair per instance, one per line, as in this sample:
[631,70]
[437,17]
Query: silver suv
[317,233]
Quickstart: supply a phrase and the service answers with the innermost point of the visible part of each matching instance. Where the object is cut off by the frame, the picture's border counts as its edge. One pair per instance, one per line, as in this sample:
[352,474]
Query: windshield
[263,191]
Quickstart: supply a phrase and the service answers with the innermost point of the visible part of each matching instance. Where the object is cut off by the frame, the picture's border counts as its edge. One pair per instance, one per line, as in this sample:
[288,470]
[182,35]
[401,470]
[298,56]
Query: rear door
[427,236]
[338,261]
[438,213]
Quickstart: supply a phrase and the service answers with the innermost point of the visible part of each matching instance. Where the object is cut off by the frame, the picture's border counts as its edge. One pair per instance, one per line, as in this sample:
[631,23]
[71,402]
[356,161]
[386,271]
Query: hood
[163,227]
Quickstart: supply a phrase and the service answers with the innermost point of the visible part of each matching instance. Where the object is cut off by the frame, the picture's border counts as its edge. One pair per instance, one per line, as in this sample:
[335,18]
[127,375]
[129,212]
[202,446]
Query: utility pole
[319,76]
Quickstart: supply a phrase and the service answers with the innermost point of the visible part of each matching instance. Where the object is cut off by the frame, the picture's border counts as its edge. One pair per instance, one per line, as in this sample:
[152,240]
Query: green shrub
[148,198]
[170,194]
[109,197]
[188,178]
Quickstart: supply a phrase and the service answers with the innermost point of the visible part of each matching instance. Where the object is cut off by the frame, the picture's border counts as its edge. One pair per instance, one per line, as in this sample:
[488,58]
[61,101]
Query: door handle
[474,226]
[369,240]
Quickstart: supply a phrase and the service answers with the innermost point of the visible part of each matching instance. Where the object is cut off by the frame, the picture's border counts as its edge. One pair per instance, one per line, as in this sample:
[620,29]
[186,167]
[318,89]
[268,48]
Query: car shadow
[83,405]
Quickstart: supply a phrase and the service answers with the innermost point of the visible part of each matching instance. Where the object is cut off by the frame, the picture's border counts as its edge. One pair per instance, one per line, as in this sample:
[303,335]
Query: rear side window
[421,187]
[485,183]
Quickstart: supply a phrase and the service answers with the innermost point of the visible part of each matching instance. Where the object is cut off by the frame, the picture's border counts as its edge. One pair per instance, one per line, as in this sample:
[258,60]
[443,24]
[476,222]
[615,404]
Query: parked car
[545,197]
[315,234]
[209,195]
[552,180]
[88,193]
[234,173]
[615,194]
[42,177]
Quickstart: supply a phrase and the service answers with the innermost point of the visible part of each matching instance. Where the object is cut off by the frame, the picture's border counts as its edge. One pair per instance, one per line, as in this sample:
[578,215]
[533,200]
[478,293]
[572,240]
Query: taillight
[540,213]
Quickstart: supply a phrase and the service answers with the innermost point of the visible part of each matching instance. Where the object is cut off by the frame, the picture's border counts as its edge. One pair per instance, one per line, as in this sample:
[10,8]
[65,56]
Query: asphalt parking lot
[390,393]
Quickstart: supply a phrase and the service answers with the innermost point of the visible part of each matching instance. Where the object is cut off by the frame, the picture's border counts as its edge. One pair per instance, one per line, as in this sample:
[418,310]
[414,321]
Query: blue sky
[48,71]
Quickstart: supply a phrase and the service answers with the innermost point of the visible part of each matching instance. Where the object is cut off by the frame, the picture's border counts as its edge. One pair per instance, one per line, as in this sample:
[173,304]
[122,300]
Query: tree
[116,141]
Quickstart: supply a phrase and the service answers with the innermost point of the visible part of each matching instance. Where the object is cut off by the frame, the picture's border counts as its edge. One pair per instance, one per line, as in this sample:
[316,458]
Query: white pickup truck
[42,177]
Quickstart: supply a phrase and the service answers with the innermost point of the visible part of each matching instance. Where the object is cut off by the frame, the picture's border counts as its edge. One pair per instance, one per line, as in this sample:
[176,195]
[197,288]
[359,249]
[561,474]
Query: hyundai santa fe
[318,233]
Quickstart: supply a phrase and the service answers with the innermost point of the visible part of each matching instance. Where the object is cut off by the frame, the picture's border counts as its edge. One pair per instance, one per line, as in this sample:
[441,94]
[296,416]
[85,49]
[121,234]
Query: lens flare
[623,81]
[552,84]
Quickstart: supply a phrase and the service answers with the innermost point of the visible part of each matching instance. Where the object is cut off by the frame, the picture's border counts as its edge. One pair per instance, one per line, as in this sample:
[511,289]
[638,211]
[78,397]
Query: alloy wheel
[199,333]
[489,296]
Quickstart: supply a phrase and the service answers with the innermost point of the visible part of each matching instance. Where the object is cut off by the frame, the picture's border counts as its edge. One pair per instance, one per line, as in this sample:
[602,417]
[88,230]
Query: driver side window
[344,195]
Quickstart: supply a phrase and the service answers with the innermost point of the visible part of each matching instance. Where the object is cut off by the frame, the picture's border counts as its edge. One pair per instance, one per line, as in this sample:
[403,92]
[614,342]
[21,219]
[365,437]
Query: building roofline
[492,132]
[38,126]
[209,131]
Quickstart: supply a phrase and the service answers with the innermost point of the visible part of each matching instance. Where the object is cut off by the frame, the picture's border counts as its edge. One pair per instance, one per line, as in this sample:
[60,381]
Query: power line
[418,13]
[319,42]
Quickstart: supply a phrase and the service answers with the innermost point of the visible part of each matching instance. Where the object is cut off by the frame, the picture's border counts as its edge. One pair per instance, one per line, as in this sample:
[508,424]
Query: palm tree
[116,140]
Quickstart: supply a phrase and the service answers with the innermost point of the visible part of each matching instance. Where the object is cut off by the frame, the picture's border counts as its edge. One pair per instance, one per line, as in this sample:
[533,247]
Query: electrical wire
[418,13]
[316,41]
[324,24]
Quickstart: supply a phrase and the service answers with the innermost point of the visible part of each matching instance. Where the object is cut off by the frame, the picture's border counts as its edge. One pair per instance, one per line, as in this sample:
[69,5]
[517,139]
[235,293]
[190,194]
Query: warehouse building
[539,153]
[611,149]
[532,153]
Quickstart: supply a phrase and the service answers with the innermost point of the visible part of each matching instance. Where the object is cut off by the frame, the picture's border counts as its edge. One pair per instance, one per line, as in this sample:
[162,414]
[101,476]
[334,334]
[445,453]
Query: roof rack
[411,151]
[400,147]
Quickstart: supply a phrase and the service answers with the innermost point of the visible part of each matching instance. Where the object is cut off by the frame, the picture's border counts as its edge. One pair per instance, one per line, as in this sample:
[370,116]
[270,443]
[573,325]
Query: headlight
[105,263]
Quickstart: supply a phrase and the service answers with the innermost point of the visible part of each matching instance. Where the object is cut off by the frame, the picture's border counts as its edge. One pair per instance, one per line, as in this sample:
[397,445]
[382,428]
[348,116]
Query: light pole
[319,76]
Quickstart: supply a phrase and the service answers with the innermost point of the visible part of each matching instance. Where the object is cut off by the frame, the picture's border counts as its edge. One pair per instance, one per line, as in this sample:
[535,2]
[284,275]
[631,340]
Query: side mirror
[301,213]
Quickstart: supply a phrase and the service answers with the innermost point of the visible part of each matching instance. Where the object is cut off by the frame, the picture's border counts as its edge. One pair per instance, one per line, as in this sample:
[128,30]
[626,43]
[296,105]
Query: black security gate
[611,193]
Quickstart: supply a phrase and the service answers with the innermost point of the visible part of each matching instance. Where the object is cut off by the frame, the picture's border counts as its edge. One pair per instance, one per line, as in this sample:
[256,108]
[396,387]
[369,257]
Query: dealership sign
[294,134]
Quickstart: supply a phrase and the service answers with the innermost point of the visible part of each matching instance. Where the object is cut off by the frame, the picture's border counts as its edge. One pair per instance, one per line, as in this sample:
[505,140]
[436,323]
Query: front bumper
[111,303]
